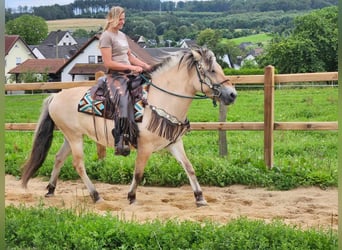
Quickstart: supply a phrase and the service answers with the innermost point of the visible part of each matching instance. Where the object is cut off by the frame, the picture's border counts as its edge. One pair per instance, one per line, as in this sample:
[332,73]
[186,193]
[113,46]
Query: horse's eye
[213,71]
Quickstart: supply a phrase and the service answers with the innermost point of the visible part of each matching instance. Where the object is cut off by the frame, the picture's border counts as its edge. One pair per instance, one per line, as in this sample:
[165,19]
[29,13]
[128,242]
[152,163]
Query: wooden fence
[269,79]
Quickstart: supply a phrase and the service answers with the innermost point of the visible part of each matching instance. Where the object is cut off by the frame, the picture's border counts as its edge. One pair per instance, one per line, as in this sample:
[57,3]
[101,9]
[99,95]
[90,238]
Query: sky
[34,3]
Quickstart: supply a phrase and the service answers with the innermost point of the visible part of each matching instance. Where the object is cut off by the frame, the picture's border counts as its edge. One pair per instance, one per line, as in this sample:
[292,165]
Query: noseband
[205,80]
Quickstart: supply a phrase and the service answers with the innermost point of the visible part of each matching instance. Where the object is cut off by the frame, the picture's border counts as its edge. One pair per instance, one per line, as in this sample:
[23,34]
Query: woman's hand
[137,69]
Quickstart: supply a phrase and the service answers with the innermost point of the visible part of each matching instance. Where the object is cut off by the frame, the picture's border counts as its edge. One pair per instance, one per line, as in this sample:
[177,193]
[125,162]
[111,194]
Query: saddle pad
[95,107]
[139,106]
[89,106]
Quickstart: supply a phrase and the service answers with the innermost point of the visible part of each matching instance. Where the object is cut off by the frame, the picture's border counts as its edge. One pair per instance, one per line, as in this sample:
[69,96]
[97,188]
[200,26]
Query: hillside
[89,24]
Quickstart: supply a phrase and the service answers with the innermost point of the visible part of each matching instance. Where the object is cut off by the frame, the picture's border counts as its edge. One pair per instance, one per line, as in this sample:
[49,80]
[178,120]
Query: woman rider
[122,66]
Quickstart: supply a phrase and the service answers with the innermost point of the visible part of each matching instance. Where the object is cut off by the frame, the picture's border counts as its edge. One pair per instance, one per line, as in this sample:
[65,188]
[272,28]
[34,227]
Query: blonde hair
[113,17]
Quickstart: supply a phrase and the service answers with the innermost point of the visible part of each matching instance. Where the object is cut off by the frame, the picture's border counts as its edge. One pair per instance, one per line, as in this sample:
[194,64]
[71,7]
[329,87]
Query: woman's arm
[136,61]
[113,65]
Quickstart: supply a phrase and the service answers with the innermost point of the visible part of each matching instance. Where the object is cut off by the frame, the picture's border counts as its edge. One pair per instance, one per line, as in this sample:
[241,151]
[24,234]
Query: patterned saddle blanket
[99,108]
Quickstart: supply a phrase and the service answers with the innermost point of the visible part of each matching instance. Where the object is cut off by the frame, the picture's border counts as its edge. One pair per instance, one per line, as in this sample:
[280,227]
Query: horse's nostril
[233,95]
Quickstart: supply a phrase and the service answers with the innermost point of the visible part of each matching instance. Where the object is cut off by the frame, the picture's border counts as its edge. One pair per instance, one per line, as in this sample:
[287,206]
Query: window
[99,59]
[18,60]
[91,59]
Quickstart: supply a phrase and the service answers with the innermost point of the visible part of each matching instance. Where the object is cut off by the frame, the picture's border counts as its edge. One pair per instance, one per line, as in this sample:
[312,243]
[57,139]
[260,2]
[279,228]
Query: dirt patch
[304,207]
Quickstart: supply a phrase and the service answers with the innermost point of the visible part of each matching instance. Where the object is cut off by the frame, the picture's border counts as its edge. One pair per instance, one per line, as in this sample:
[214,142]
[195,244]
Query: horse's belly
[63,110]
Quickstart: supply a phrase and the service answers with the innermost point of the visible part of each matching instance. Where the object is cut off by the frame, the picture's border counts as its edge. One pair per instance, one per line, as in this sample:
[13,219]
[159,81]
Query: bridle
[203,79]
[215,87]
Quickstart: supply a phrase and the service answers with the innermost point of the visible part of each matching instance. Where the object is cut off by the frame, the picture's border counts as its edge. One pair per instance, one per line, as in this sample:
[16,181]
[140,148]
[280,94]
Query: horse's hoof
[100,200]
[47,195]
[201,203]
[132,202]
[95,196]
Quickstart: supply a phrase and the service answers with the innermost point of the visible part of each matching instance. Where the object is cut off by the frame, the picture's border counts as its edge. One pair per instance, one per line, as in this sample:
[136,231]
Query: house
[88,60]
[187,43]
[82,66]
[59,38]
[16,52]
[51,51]
[58,44]
[52,67]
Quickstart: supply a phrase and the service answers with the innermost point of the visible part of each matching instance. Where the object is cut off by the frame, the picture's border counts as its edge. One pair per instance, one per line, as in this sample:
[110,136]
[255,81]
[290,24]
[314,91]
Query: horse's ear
[197,55]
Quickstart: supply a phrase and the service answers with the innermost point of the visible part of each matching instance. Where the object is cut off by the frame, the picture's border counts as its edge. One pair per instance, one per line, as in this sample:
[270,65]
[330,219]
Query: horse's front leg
[177,150]
[140,163]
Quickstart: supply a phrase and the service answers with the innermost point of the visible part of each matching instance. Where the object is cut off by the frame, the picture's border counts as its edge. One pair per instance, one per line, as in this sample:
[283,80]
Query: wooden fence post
[101,150]
[268,115]
[223,146]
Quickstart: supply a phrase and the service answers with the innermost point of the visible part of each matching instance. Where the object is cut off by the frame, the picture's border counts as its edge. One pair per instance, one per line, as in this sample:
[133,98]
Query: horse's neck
[174,82]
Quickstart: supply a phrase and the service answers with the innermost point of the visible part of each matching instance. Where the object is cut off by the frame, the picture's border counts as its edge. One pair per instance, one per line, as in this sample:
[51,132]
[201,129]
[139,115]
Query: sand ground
[309,207]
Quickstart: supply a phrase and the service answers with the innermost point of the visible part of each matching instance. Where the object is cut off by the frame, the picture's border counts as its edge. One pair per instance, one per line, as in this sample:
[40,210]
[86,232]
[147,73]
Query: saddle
[97,100]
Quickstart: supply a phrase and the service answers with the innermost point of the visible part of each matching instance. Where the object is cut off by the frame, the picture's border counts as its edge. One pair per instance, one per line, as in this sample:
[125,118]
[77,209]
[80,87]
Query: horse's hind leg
[177,150]
[78,163]
[62,154]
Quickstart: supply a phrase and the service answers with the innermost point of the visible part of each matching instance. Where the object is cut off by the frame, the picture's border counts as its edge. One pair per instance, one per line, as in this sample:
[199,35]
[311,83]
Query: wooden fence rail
[269,80]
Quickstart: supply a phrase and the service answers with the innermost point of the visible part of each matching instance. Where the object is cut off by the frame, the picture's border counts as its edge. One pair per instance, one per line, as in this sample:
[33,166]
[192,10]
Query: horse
[174,83]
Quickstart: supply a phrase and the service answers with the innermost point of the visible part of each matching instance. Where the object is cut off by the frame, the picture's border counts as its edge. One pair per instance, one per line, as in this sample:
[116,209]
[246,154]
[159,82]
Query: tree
[221,47]
[209,38]
[80,33]
[228,48]
[32,29]
[321,28]
[294,54]
[311,47]
[136,27]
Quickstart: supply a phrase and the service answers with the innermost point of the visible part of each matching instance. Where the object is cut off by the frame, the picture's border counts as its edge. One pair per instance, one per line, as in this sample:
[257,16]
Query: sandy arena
[304,207]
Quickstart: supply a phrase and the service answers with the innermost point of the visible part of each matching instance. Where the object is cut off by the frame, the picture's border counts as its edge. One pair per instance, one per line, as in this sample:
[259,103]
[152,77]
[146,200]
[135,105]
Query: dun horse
[173,86]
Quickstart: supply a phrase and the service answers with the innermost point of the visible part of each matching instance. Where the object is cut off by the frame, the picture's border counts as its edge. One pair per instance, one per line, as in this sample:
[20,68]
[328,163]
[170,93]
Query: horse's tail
[41,143]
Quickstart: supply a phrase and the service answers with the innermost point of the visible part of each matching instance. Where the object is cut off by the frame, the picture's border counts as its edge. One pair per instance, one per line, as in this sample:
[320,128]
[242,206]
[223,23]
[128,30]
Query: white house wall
[20,51]
[91,50]
[67,39]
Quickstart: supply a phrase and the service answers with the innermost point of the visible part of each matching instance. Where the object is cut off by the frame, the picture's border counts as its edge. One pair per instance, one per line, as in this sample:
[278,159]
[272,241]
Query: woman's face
[121,22]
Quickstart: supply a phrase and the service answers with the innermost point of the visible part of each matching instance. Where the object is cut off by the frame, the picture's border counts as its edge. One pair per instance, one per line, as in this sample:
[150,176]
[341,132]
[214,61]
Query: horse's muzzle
[228,95]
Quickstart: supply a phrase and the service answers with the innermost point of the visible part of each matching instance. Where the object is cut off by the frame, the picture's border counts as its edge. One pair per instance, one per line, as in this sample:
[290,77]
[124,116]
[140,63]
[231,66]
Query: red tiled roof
[51,66]
[86,69]
[9,42]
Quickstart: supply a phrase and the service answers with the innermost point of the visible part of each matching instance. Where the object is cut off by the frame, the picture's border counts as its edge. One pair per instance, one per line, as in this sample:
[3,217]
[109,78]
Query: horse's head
[211,78]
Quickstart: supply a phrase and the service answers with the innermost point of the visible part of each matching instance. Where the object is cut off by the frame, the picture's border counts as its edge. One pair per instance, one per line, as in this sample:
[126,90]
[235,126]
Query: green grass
[301,158]
[50,228]
[257,38]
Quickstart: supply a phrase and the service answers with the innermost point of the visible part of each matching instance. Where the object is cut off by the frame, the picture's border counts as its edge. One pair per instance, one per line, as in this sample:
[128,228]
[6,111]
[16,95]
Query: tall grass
[50,228]
[301,158]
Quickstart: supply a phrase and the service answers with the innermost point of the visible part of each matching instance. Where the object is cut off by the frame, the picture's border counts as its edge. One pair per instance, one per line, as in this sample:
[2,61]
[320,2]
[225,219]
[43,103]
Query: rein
[206,81]
[172,93]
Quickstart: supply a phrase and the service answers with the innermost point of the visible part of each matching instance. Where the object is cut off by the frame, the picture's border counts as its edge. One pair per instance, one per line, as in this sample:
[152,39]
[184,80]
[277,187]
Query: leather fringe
[165,127]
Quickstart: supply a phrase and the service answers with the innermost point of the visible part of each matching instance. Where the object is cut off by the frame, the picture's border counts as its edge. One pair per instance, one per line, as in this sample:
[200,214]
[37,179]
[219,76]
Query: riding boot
[121,142]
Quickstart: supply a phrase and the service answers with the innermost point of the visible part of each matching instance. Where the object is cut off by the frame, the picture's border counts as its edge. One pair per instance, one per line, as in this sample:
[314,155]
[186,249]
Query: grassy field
[89,24]
[301,158]
[257,38]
